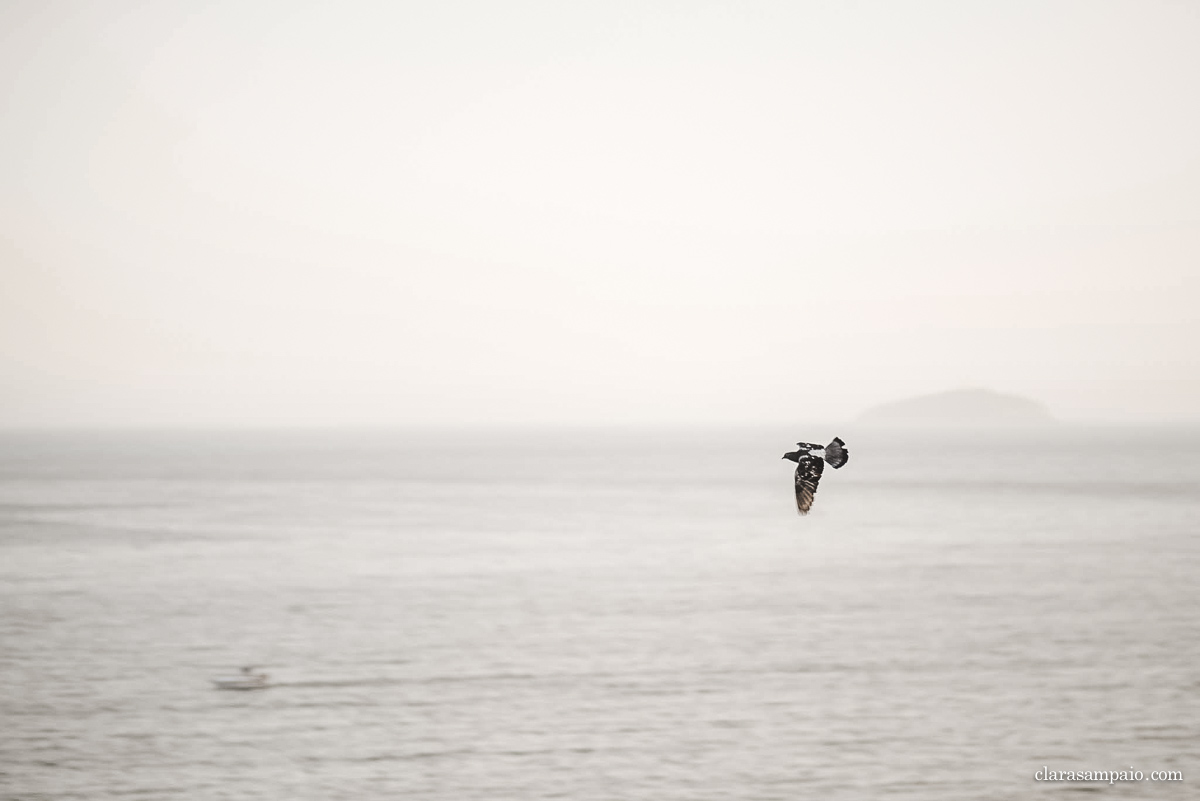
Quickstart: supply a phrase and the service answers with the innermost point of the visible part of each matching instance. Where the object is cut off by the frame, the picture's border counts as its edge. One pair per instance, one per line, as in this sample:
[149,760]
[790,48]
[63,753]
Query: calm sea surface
[597,615]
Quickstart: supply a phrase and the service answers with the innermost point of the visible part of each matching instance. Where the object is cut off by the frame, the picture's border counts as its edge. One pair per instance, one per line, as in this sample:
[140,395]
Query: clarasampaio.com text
[1110,776]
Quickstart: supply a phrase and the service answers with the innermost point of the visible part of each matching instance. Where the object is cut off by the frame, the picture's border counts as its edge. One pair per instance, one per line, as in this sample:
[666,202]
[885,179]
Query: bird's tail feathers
[836,453]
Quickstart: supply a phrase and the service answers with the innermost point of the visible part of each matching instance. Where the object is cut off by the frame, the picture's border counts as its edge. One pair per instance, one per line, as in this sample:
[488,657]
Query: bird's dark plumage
[809,468]
[836,453]
[808,475]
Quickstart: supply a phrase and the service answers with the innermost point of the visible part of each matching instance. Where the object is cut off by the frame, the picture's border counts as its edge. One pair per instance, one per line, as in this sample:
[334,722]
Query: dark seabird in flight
[809,467]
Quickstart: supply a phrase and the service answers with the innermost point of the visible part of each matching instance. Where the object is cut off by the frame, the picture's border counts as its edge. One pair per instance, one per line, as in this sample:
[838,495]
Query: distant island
[960,408]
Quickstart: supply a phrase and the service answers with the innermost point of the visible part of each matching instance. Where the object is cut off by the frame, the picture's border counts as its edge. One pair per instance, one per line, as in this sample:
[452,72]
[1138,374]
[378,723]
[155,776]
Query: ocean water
[597,615]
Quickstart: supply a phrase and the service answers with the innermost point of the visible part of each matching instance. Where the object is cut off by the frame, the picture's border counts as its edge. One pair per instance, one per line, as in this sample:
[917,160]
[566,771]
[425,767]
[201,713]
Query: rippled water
[596,615]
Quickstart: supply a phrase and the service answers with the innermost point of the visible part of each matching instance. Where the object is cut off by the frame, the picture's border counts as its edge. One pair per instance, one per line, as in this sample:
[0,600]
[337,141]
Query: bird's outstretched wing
[808,475]
[836,453]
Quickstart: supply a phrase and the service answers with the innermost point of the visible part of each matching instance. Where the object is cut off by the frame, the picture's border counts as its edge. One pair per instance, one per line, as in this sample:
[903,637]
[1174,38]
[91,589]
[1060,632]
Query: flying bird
[809,467]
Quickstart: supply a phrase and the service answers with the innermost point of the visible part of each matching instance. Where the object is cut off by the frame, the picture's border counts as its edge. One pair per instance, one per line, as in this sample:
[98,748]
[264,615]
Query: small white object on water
[248,679]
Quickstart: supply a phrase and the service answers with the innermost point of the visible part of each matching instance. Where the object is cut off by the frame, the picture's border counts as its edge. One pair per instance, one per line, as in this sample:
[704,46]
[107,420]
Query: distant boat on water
[248,679]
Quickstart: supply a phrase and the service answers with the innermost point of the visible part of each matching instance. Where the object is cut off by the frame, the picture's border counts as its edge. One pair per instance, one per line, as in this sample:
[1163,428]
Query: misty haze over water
[275,214]
[595,614]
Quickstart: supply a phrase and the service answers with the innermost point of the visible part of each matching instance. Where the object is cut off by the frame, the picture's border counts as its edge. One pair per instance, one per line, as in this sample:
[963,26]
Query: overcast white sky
[287,213]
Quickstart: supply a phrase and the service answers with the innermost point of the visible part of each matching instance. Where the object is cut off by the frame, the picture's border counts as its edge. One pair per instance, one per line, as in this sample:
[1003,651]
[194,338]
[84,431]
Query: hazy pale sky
[366,213]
